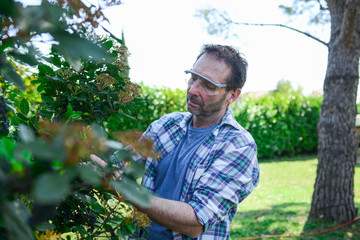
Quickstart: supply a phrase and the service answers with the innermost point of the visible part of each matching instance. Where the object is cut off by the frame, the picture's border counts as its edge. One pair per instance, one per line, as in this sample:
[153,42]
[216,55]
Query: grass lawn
[281,203]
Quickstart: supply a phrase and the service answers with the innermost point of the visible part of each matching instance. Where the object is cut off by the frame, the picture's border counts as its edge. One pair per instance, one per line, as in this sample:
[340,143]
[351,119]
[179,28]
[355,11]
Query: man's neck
[207,121]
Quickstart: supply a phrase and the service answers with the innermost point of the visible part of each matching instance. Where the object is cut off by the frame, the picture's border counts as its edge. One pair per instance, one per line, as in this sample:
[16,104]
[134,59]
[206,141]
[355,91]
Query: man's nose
[194,89]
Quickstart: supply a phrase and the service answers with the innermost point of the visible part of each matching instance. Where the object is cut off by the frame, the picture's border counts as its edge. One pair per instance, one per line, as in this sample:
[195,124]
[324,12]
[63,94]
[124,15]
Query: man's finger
[98,160]
[103,164]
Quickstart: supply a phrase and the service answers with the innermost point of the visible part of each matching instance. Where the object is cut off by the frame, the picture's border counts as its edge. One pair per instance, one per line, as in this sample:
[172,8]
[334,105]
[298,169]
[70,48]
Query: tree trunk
[333,197]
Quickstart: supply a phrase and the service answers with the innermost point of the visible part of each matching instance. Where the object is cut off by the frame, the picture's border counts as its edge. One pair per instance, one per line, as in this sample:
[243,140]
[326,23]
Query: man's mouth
[193,102]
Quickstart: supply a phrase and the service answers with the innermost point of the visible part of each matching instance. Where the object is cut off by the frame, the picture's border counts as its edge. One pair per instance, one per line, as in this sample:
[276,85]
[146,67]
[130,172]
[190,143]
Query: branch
[349,21]
[284,26]
[321,6]
[229,21]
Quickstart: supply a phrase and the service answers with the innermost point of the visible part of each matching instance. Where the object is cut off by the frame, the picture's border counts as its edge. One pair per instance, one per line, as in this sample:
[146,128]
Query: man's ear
[233,95]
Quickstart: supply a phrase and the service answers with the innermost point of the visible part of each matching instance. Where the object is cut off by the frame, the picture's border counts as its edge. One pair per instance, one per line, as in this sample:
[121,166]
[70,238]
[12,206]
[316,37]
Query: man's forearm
[175,215]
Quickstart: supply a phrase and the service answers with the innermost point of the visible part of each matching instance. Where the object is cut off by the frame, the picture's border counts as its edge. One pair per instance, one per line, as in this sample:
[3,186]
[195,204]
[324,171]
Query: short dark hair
[232,57]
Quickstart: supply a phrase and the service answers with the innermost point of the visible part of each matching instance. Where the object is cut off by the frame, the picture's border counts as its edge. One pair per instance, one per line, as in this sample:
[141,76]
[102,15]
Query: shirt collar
[228,119]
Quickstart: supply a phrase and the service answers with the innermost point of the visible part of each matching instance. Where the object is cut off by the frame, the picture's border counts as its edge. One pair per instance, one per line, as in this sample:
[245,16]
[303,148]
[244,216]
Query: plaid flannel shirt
[223,172]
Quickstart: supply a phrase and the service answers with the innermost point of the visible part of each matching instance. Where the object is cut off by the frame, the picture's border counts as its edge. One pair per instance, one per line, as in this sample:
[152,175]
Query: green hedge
[281,123]
[153,103]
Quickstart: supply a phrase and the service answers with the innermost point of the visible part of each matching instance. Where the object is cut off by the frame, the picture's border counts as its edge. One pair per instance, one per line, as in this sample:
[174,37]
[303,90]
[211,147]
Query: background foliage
[282,122]
[153,103]
[49,189]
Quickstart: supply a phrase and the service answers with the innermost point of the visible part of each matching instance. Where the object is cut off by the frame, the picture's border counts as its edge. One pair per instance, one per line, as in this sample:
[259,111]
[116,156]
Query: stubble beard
[204,109]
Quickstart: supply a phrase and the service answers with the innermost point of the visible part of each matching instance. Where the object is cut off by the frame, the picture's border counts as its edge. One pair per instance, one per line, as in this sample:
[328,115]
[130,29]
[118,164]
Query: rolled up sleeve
[225,183]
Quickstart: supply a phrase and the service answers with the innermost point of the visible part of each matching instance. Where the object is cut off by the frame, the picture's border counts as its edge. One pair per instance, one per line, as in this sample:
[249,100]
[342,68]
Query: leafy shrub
[94,94]
[151,105]
[48,188]
[282,123]
[44,187]
[45,190]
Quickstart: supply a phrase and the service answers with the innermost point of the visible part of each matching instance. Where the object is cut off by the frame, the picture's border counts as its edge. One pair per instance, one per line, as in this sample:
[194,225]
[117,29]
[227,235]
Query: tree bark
[333,197]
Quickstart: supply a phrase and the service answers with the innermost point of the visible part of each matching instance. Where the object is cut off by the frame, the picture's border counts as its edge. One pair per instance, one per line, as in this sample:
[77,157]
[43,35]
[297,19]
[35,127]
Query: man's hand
[175,215]
[103,164]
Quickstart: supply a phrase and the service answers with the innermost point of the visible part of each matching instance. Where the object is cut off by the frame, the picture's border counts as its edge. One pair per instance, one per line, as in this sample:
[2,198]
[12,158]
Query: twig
[229,21]
[284,26]
[321,6]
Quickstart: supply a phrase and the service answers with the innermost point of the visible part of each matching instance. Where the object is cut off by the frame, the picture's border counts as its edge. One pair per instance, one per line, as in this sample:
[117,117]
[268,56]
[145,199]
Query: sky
[164,38]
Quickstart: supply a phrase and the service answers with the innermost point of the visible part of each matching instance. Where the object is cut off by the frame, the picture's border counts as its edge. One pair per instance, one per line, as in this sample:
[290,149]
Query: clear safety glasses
[205,85]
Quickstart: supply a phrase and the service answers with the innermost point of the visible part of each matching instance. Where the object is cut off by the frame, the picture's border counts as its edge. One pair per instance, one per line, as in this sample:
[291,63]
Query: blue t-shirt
[171,171]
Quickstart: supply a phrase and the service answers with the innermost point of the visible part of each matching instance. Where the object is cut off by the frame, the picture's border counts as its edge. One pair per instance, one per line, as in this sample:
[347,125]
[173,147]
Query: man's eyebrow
[194,76]
[206,79]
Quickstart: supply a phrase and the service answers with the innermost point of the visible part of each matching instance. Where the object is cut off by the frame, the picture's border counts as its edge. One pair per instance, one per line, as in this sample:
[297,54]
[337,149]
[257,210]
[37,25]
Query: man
[208,162]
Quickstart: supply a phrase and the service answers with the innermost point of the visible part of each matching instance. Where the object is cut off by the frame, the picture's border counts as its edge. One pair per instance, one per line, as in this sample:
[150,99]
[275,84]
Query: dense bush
[58,117]
[153,103]
[282,123]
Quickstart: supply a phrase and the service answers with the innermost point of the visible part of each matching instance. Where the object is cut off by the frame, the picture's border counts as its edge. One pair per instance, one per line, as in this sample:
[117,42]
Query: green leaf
[113,36]
[44,226]
[79,229]
[97,208]
[22,116]
[129,227]
[28,58]
[15,226]
[89,175]
[46,113]
[50,188]
[54,59]
[34,82]
[26,156]
[8,8]
[131,190]
[81,98]
[10,75]
[76,114]
[98,130]
[7,147]
[24,107]
[11,108]
[45,69]
[138,169]
[15,120]
[41,87]
[108,227]
[16,167]
[56,78]
[69,112]
[108,44]
[74,48]
[42,150]
[6,44]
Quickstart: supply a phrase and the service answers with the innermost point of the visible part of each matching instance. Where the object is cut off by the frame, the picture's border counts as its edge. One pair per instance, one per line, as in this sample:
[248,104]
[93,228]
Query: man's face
[199,103]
